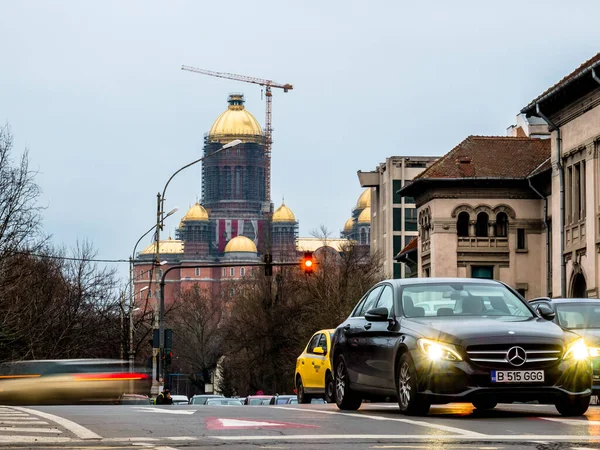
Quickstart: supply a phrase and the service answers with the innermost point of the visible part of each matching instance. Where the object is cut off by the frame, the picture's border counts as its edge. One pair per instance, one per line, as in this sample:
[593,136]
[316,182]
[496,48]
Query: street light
[159,316]
[131,287]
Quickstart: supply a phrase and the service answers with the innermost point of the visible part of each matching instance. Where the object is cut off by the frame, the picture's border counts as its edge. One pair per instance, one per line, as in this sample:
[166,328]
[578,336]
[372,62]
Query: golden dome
[240,244]
[196,212]
[365,216]
[235,121]
[283,214]
[364,201]
[168,247]
[349,225]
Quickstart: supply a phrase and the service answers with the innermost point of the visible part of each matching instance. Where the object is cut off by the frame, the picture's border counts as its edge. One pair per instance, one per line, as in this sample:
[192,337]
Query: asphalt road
[374,426]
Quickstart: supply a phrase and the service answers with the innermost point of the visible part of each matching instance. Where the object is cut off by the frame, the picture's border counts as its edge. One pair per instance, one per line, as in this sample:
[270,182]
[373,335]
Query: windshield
[579,315]
[460,300]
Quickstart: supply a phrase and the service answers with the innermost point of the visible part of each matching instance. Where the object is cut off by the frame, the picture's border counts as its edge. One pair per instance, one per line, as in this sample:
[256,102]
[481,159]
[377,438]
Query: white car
[180,399]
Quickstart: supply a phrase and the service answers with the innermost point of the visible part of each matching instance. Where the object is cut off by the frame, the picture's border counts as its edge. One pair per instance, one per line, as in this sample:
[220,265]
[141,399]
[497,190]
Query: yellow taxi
[314,378]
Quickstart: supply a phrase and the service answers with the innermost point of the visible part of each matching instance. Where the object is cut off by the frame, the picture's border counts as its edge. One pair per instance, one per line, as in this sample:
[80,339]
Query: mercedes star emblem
[516,356]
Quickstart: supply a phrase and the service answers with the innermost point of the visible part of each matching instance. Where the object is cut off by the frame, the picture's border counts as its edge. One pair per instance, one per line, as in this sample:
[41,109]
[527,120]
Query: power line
[68,258]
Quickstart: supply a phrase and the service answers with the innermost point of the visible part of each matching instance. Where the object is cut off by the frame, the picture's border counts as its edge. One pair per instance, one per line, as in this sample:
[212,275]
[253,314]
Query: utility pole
[155,350]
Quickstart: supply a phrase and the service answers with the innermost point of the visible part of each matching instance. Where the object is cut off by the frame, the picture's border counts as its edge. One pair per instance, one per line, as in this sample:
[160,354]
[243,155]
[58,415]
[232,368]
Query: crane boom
[269,109]
[244,78]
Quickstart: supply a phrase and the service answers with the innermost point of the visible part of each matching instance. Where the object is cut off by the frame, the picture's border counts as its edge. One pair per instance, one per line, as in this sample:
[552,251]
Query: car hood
[489,330]
[591,336]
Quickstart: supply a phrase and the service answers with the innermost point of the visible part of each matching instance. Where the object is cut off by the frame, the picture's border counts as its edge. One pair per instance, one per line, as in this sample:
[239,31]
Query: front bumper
[464,381]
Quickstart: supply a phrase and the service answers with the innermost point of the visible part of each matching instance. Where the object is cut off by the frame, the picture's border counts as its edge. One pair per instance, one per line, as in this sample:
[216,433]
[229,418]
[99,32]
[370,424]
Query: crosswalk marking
[31,430]
[23,422]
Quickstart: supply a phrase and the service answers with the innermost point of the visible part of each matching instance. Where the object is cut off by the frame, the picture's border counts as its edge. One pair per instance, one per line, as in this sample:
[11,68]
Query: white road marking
[164,411]
[75,428]
[31,430]
[573,421]
[392,419]
[413,437]
[132,439]
[35,439]
[164,448]
[23,419]
[182,438]
[23,422]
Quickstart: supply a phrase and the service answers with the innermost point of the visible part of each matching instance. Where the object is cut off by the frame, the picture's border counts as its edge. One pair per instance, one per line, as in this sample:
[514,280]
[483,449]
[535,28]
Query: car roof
[412,281]
[207,396]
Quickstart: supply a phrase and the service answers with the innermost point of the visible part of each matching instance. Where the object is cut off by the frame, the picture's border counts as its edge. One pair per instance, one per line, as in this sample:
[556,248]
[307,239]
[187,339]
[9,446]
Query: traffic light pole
[161,317]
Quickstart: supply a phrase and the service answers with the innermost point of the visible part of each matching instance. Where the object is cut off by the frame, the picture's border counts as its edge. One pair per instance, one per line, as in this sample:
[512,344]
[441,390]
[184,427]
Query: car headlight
[437,351]
[594,351]
[577,351]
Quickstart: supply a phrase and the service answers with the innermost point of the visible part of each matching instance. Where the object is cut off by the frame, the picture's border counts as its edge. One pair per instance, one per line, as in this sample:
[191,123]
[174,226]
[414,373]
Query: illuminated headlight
[437,351]
[577,351]
[594,352]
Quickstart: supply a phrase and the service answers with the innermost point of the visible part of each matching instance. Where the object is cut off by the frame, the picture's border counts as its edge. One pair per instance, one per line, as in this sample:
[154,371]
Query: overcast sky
[94,90]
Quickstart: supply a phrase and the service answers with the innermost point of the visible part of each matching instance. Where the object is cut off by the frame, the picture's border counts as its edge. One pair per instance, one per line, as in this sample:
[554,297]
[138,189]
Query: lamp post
[159,321]
[131,289]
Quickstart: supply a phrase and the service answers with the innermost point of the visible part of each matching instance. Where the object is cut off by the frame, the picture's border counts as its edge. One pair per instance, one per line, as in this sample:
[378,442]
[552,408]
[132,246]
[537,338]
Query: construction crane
[268,84]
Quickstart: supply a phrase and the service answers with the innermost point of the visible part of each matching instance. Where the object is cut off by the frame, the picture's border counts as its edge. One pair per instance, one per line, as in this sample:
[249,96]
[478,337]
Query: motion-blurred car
[581,315]
[253,400]
[134,399]
[223,402]
[69,381]
[314,377]
[201,399]
[180,399]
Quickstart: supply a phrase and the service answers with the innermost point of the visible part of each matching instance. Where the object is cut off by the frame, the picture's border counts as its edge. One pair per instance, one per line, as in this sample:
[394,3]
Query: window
[521,239]
[223,272]
[232,271]
[501,225]
[197,271]
[313,342]
[386,299]
[521,292]
[149,293]
[160,273]
[397,185]
[410,219]
[481,227]
[368,302]
[242,272]
[575,196]
[397,270]
[397,225]
[322,343]
[462,224]
[398,245]
[485,272]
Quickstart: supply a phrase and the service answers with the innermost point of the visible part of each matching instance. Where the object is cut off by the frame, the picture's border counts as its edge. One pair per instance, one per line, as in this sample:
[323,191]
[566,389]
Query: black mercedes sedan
[434,341]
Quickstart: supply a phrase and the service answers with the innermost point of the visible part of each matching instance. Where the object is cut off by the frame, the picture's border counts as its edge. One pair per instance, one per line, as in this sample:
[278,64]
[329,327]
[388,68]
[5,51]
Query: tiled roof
[546,165]
[568,79]
[490,157]
[410,247]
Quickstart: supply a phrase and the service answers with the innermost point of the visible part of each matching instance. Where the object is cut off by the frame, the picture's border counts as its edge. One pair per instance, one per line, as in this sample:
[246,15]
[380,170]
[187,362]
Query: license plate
[517,376]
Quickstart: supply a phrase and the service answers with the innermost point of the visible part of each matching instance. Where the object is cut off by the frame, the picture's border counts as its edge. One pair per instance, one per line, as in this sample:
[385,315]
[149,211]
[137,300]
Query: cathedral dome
[167,247]
[349,225]
[196,212]
[240,244]
[364,201]
[235,121]
[365,216]
[283,214]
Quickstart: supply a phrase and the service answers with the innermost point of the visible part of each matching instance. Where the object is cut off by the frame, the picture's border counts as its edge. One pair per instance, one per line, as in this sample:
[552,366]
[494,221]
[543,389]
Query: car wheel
[303,397]
[482,405]
[573,407]
[329,388]
[409,401]
[345,397]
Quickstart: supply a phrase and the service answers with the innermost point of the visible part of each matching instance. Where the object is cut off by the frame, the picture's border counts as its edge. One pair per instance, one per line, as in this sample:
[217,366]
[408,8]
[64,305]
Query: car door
[378,345]
[319,363]
[306,362]
[355,331]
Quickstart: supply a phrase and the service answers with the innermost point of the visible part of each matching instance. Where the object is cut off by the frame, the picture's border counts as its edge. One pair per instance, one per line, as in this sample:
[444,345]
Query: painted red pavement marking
[215,423]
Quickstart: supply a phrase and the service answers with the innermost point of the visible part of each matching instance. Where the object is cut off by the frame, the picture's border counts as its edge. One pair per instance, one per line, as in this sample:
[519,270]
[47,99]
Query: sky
[94,91]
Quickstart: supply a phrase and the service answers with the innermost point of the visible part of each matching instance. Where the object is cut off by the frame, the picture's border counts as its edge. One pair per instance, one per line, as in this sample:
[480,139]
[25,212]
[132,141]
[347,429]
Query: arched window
[462,224]
[501,225]
[363,237]
[481,227]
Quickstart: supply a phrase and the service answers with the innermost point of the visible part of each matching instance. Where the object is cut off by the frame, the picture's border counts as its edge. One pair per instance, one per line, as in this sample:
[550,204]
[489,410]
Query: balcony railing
[575,234]
[473,242]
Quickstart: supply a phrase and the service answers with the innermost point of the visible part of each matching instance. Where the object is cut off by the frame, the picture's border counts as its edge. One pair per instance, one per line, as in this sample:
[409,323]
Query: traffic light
[268,260]
[168,358]
[308,263]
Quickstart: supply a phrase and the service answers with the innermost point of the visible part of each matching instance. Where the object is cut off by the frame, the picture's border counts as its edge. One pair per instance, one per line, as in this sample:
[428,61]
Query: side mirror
[545,311]
[377,315]
[318,351]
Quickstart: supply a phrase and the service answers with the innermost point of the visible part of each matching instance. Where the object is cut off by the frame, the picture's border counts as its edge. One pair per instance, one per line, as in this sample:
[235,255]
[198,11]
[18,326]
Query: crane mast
[268,84]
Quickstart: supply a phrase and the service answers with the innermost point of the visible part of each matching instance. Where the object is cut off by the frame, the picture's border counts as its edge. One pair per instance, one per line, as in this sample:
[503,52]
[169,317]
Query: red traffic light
[308,263]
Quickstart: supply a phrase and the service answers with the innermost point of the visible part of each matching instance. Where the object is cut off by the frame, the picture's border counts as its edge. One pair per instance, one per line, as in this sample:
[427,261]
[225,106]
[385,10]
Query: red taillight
[110,376]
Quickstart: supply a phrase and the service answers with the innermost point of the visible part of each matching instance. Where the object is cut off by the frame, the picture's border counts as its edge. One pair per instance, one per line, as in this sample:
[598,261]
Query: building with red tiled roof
[481,212]
[571,108]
